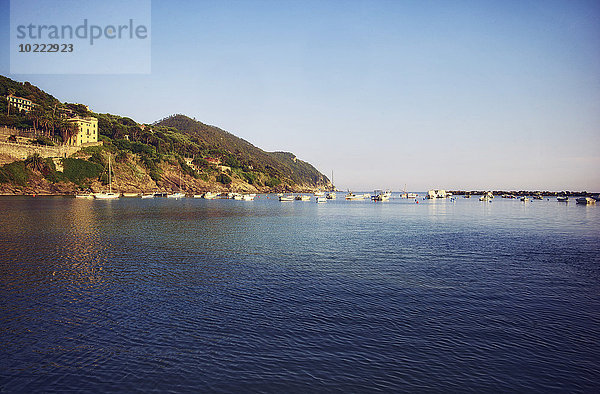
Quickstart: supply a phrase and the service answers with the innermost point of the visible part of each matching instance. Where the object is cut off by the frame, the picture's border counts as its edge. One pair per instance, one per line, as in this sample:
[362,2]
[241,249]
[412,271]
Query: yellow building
[88,131]
[20,103]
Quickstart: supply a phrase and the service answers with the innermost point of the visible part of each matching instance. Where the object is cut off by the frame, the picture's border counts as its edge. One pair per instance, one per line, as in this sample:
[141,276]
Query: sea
[193,295]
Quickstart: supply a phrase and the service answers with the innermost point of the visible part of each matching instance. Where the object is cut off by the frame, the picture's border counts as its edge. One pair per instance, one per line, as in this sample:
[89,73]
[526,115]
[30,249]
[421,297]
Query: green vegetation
[16,173]
[78,170]
[215,153]
[224,179]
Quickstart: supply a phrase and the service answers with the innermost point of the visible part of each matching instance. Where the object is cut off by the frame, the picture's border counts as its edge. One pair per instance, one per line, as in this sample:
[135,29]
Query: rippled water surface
[235,296]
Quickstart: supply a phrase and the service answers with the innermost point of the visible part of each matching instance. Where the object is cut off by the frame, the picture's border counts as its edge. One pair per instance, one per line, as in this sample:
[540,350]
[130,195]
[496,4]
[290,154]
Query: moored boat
[562,198]
[585,200]
[321,199]
[286,198]
[303,197]
[380,195]
[176,195]
[352,196]
[107,195]
[331,196]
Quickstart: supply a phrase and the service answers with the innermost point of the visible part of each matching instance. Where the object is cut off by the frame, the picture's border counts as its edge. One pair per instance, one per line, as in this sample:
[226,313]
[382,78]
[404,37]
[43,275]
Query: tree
[67,130]
[10,93]
[35,162]
[35,115]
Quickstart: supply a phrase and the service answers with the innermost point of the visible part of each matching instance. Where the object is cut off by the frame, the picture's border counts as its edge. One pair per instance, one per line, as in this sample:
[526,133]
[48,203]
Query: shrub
[121,157]
[78,170]
[224,179]
[272,182]
[16,173]
[41,140]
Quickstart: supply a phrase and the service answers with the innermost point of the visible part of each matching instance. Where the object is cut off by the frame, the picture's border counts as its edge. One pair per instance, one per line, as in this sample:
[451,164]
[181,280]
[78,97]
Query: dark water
[234,296]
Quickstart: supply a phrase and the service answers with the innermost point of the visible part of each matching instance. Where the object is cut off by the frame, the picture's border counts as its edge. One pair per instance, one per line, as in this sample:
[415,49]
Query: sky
[415,95]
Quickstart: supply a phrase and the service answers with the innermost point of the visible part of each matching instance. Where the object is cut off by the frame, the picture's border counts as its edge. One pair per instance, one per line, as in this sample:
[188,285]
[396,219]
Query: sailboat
[177,194]
[107,195]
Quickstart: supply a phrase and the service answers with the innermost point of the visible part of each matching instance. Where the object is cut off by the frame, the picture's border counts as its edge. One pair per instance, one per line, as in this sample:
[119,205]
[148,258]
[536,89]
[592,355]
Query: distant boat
[151,195]
[131,194]
[331,196]
[84,195]
[585,200]
[319,193]
[108,195]
[286,198]
[380,195]
[486,197]
[248,197]
[303,197]
[321,199]
[538,197]
[562,198]
[467,196]
[210,195]
[352,196]
[525,199]
[176,195]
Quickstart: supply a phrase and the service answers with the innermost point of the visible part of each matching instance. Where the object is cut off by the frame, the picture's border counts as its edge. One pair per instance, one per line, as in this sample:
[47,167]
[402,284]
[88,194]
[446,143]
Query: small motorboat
[585,200]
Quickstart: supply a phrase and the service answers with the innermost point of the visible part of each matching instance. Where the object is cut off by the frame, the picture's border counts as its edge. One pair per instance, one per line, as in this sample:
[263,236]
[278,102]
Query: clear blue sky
[428,94]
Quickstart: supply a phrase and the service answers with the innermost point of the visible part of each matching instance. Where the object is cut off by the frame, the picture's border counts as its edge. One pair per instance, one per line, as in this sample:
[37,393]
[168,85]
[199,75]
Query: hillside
[173,153]
[281,165]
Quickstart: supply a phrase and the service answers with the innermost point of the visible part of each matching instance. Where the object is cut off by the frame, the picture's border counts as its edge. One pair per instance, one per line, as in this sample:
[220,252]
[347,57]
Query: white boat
[107,195]
[130,194]
[319,194]
[380,195]
[151,195]
[585,200]
[331,196]
[412,195]
[198,196]
[562,198]
[352,196]
[486,197]
[286,198]
[321,199]
[210,195]
[85,195]
[303,197]
[176,195]
[248,197]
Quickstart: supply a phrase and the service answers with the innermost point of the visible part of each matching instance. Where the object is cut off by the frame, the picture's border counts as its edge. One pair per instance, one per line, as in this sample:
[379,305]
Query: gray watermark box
[80,37]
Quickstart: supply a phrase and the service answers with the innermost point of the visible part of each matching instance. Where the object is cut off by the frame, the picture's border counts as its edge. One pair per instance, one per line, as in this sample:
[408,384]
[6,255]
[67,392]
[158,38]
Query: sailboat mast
[109,176]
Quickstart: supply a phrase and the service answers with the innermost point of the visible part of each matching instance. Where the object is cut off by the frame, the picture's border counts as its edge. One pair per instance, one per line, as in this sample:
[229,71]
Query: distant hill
[175,152]
[281,165]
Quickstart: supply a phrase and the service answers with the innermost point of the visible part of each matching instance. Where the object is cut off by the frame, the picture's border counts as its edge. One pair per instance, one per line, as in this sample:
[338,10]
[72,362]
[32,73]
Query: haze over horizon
[452,95]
